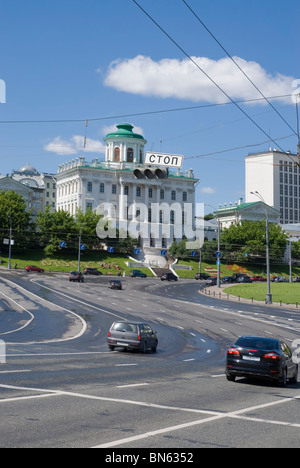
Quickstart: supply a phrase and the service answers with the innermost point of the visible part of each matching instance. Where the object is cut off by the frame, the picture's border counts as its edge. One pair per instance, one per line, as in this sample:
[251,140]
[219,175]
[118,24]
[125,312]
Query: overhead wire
[139,114]
[238,66]
[206,74]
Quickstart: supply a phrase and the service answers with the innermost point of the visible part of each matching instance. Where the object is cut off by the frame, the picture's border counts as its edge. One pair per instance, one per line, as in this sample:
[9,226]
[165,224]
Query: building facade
[231,214]
[276,176]
[147,199]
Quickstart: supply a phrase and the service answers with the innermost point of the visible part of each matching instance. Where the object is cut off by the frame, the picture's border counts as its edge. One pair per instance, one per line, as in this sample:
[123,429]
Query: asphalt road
[61,387]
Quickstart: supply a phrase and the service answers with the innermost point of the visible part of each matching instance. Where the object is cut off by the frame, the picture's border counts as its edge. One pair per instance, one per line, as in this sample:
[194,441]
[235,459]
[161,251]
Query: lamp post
[269,295]
[219,247]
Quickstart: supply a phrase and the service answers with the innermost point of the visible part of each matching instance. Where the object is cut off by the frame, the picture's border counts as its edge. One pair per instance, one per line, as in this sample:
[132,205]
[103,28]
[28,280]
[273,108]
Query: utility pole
[269,295]
[79,251]
[10,241]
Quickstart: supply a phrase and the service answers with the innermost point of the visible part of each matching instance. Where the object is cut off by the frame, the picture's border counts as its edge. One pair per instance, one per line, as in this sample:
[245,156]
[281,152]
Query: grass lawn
[104,262]
[288,293]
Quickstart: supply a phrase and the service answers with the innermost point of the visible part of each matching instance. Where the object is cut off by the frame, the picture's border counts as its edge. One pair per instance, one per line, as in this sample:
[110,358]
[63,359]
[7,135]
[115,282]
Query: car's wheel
[112,348]
[294,379]
[154,348]
[230,378]
[283,380]
[144,347]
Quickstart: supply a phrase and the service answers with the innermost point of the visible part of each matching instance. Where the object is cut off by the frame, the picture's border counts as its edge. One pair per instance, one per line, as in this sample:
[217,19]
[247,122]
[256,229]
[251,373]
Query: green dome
[124,131]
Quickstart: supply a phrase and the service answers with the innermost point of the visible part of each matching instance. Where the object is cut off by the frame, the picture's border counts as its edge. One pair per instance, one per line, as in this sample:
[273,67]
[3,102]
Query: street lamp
[219,247]
[269,295]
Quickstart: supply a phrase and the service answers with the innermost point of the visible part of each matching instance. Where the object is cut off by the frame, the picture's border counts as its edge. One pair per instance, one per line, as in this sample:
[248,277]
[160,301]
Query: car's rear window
[127,327]
[258,343]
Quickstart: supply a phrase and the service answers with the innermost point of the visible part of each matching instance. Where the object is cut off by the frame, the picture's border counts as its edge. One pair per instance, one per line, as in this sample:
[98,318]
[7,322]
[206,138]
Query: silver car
[132,335]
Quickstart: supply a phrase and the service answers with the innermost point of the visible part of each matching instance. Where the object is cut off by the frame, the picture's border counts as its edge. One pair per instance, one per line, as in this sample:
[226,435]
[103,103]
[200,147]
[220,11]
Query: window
[162,194]
[90,186]
[102,188]
[149,215]
[150,192]
[126,190]
[172,217]
[173,195]
[117,155]
[184,196]
[114,189]
[130,155]
[89,206]
[138,191]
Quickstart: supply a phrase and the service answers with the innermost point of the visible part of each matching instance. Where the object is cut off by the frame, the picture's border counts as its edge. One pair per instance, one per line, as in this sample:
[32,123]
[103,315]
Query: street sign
[219,254]
[194,254]
[166,160]
[163,253]
[110,250]
[62,245]
[82,246]
[218,262]
[6,242]
[137,251]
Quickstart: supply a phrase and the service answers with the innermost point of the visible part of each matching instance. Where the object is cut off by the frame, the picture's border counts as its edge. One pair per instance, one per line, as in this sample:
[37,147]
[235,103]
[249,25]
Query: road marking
[83,322]
[213,415]
[125,365]
[15,371]
[133,385]
[189,360]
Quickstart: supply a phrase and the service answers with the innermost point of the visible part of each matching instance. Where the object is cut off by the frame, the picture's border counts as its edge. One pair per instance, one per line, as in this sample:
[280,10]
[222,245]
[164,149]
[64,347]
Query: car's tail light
[274,356]
[232,351]
[139,337]
[108,334]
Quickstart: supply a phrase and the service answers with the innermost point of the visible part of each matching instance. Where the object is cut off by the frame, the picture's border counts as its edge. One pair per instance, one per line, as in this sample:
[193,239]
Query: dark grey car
[132,335]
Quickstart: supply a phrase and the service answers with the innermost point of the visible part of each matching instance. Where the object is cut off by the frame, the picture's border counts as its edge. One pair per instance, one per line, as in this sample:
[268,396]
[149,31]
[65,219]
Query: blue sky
[77,60]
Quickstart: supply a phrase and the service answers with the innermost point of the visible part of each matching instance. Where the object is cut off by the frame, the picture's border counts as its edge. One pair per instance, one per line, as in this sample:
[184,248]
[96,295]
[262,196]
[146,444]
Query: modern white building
[147,199]
[276,176]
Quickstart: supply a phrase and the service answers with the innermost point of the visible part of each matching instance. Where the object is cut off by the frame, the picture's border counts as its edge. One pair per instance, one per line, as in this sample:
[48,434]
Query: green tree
[250,237]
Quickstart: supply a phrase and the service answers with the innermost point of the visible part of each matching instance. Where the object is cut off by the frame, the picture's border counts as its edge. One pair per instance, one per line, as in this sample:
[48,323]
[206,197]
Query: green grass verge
[104,262]
[288,293]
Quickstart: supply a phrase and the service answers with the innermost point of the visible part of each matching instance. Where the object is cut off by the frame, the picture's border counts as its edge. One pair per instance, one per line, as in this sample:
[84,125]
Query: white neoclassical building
[148,200]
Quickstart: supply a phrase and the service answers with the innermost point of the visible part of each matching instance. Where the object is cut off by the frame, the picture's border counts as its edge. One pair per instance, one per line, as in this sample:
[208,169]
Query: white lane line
[25,310]
[133,385]
[15,371]
[83,322]
[125,365]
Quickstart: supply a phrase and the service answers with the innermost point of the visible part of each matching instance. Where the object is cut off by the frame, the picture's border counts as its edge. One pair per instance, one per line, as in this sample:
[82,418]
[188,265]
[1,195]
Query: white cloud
[208,190]
[181,79]
[74,145]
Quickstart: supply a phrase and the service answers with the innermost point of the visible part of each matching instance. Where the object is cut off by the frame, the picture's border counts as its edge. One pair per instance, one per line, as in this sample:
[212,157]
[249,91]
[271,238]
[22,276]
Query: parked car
[76,276]
[259,279]
[169,277]
[211,281]
[137,274]
[92,271]
[244,279]
[132,335]
[34,268]
[236,276]
[201,276]
[267,358]
[227,279]
[115,284]
[280,279]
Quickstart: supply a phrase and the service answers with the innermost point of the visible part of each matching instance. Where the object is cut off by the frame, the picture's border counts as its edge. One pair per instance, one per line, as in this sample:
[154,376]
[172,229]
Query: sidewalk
[220,293]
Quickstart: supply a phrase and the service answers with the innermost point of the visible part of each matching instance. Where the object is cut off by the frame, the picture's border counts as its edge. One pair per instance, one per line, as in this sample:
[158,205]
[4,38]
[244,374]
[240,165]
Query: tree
[250,237]
[55,227]
[14,213]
